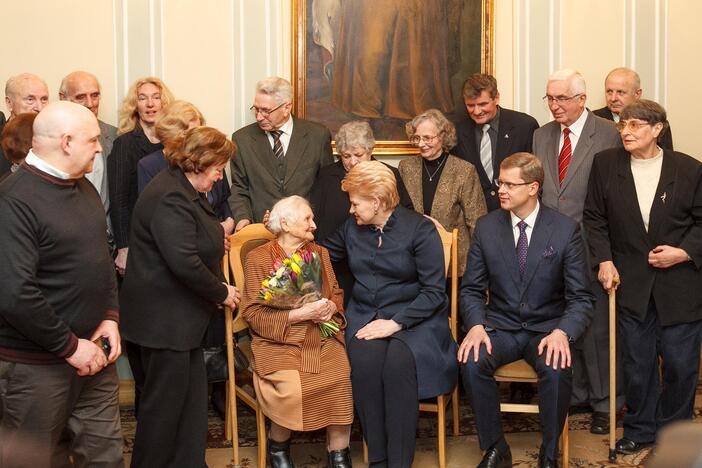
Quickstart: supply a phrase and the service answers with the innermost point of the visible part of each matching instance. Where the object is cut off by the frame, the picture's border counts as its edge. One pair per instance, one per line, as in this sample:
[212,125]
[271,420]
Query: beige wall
[212,52]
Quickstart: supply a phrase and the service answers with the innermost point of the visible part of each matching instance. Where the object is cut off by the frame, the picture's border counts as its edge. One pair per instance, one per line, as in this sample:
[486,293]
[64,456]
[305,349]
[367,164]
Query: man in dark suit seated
[490,133]
[278,156]
[531,259]
[622,87]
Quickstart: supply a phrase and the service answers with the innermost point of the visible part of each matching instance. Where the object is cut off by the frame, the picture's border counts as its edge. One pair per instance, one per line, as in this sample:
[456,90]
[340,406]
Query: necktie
[486,151]
[277,144]
[564,156]
[522,247]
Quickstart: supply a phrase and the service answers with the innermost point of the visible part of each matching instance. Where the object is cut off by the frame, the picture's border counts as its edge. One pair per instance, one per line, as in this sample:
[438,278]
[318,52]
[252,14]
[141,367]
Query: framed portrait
[385,61]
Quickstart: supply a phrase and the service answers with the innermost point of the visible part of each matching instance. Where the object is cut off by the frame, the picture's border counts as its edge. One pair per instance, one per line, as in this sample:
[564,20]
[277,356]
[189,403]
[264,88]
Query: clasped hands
[661,256]
[233,296]
[318,311]
[555,344]
[88,358]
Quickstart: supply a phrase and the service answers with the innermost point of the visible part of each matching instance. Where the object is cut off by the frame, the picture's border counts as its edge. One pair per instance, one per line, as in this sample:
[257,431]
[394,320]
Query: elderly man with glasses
[567,146]
[278,156]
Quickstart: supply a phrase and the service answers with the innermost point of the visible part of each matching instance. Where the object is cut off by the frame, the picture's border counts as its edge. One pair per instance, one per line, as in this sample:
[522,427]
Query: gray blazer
[259,180]
[108,133]
[598,134]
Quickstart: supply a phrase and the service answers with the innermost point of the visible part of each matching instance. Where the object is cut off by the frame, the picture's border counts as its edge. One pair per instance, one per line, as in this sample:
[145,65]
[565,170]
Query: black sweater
[58,280]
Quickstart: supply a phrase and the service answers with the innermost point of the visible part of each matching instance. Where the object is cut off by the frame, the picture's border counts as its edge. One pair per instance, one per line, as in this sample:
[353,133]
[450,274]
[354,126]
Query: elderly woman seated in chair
[302,379]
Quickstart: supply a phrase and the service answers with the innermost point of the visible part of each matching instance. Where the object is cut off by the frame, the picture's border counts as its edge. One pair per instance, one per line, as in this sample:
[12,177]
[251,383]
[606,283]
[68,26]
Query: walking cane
[613,370]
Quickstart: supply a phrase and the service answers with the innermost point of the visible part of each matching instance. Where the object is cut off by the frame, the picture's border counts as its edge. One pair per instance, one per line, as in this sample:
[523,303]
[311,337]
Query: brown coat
[276,344]
[458,202]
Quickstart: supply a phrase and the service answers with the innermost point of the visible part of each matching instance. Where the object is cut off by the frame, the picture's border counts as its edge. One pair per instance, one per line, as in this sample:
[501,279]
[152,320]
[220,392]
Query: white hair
[573,77]
[285,209]
[14,81]
[279,88]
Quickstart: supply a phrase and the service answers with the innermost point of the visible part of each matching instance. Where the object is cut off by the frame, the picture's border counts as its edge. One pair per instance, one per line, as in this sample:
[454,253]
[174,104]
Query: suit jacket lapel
[627,192]
[553,161]
[262,147]
[296,148]
[445,185]
[412,176]
[509,253]
[538,244]
[663,199]
[504,142]
[581,149]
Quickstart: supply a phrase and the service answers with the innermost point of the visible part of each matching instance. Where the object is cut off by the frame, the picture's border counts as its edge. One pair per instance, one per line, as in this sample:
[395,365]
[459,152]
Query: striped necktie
[486,152]
[564,156]
[277,144]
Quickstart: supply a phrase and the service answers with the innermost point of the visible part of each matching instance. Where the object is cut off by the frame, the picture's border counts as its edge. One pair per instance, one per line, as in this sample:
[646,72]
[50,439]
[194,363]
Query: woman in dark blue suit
[398,339]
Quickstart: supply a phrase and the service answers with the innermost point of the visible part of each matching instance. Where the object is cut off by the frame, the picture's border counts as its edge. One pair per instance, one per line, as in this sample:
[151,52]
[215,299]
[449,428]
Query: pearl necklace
[431,176]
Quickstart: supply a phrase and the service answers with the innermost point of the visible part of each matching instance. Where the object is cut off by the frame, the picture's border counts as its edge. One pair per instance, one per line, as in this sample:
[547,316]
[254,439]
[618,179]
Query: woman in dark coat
[354,143]
[398,338]
[173,285]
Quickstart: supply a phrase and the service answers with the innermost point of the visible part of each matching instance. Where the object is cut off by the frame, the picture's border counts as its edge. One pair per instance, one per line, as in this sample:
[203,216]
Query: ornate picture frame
[385,61]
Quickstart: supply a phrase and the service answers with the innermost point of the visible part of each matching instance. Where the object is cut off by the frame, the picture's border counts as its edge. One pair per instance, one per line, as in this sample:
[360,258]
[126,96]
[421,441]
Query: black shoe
[339,458]
[521,392]
[628,447]
[599,423]
[278,454]
[544,461]
[494,458]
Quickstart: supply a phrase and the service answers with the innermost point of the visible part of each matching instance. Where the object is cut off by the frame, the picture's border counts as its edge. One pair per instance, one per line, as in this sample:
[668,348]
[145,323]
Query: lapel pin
[506,135]
[663,197]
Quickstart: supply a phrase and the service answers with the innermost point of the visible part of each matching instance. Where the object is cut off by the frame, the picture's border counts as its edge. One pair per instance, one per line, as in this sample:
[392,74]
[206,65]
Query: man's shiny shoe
[599,423]
[494,458]
[628,447]
[279,454]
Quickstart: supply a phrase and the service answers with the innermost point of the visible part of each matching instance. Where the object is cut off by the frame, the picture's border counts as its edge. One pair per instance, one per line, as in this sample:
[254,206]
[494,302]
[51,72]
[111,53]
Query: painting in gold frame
[385,61]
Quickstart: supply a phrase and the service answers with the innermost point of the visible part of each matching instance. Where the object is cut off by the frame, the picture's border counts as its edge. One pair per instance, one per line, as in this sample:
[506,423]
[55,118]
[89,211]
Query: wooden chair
[241,243]
[521,371]
[450,244]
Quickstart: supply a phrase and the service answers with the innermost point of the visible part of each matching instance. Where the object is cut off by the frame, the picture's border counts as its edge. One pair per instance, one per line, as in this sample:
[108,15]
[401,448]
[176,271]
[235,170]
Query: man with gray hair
[58,304]
[622,87]
[23,93]
[83,88]
[279,155]
[566,147]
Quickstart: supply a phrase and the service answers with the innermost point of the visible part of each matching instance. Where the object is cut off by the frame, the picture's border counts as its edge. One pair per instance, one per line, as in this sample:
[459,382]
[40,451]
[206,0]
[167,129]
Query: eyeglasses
[559,99]
[632,124]
[428,139]
[510,185]
[265,112]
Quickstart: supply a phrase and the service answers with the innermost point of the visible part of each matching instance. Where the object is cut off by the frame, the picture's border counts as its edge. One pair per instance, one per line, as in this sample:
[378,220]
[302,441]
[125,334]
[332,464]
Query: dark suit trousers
[651,405]
[384,381]
[172,422]
[591,359]
[50,414]
[479,381]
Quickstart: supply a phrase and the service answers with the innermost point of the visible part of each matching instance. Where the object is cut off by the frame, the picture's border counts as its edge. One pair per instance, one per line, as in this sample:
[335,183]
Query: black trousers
[590,358]
[651,403]
[554,387]
[172,422]
[384,380]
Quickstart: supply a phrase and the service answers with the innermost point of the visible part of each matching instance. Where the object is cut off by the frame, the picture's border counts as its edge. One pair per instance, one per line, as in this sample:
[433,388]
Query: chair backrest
[241,243]
[449,240]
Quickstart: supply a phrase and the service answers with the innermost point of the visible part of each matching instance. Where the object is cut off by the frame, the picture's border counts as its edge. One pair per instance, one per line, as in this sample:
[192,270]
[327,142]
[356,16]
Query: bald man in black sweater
[58,295]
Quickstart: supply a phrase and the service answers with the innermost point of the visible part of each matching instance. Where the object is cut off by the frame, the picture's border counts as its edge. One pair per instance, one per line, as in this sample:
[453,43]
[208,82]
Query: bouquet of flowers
[294,281]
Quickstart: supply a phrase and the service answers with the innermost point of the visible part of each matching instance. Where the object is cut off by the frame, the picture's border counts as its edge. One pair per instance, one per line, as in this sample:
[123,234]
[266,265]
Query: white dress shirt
[35,161]
[529,220]
[287,129]
[576,129]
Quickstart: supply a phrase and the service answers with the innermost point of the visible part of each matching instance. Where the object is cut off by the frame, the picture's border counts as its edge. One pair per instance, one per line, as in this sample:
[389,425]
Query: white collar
[577,126]
[529,220]
[35,161]
[287,127]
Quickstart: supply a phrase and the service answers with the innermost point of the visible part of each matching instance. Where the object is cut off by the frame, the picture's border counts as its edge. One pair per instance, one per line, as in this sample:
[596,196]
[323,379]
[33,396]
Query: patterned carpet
[522,431]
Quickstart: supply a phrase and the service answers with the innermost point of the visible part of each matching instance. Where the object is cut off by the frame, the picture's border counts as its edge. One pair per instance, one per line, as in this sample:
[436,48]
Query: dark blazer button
[524,324]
